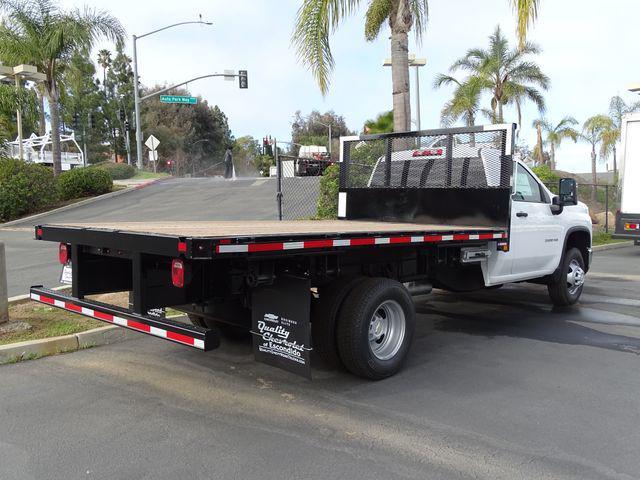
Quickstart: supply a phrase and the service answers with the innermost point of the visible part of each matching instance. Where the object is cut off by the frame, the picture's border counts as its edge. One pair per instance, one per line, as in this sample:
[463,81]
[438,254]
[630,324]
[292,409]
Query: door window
[527,189]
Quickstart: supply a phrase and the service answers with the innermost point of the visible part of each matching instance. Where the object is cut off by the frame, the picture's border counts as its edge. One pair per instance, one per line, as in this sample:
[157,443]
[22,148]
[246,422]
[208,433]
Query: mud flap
[281,327]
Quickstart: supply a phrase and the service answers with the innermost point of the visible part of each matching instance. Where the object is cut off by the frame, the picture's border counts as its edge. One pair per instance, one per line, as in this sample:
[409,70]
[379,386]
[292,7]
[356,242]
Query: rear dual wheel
[375,327]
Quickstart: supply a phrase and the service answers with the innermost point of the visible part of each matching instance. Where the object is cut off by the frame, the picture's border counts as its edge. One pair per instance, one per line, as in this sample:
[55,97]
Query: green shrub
[24,188]
[546,175]
[118,171]
[328,197]
[83,182]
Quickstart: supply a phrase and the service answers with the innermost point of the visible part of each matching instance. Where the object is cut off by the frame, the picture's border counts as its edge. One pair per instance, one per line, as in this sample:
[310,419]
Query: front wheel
[567,288]
[375,328]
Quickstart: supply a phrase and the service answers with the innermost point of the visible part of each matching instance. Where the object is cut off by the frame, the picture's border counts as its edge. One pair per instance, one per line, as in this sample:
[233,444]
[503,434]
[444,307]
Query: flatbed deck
[244,229]
[212,239]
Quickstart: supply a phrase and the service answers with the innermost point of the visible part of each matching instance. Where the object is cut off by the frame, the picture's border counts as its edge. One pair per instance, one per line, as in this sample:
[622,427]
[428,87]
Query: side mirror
[556,206]
[568,191]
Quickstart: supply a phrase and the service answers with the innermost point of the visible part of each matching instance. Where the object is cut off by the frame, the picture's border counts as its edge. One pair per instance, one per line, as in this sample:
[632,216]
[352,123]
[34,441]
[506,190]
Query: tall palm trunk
[553,156]
[400,80]
[54,111]
[539,144]
[400,21]
[594,175]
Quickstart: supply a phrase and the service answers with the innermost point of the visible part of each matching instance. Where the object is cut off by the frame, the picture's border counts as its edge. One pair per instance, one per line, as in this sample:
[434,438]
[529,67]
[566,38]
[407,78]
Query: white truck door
[536,236]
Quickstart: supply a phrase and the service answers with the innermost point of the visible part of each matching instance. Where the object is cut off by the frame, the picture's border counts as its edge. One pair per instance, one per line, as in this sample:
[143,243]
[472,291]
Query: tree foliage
[509,75]
[40,33]
[193,137]
[383,123]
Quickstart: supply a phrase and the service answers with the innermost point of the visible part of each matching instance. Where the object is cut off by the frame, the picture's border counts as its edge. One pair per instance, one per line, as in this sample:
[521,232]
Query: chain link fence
[298,186]
[600,198]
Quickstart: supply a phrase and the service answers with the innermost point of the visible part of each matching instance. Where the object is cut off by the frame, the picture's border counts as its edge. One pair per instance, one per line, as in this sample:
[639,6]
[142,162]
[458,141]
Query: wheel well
[580,239]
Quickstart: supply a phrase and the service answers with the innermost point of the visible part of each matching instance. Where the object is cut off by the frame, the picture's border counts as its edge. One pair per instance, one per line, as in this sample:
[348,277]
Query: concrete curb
[19,299]
[612,246]
[32,349]
[82,203]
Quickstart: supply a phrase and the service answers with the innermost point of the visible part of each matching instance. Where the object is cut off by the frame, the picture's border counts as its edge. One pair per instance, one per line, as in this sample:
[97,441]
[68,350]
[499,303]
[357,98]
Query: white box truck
[628,215]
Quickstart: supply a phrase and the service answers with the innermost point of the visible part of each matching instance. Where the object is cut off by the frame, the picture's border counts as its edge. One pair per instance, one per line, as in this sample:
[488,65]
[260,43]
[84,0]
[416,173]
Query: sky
[589,52]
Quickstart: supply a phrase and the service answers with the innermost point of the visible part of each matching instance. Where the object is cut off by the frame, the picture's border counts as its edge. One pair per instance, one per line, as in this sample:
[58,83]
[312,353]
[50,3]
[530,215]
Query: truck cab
[543,227]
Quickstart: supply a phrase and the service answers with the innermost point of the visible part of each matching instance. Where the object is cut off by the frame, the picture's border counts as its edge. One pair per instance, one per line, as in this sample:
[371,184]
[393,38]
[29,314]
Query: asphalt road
[30,262]
[498,385]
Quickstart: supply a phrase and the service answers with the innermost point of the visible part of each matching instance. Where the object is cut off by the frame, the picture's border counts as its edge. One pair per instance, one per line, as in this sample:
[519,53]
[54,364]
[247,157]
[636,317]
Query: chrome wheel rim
[386,330]
[575,277]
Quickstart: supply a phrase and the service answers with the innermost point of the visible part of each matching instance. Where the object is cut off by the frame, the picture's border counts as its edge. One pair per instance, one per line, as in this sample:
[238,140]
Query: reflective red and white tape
[123,322]
[354,242]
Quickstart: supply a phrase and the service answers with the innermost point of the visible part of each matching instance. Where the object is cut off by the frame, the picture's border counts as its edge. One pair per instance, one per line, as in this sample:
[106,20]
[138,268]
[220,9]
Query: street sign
[153,155]
[178,99]
[229,75]
[152,142]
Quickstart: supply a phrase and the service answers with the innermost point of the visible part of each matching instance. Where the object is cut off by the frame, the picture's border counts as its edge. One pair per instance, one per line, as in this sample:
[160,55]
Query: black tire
[324,314]
[228,331]
[355,319]
[563,294]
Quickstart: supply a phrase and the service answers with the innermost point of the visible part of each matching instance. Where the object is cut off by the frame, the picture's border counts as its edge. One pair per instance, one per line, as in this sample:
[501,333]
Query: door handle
[522,214]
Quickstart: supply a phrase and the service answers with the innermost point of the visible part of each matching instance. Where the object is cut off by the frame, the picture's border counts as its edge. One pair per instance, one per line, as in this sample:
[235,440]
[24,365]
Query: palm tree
[465,103]
[617,109]
[593,131]
[508,74]
[383,123]
[555,134]
[526,13]
[104,60]
[317,19]
[38,32]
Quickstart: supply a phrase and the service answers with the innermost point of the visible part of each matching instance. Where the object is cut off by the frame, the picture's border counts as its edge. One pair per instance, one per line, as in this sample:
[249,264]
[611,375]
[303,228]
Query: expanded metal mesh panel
[470,158]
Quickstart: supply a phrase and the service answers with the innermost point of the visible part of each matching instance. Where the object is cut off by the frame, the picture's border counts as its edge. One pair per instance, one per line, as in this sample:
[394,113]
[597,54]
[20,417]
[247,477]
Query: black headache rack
[189,335]
[449,176]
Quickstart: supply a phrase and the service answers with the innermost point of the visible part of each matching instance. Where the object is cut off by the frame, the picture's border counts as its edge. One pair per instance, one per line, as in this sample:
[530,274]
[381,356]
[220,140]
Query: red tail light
[427,152]
[177,273]
[63,253]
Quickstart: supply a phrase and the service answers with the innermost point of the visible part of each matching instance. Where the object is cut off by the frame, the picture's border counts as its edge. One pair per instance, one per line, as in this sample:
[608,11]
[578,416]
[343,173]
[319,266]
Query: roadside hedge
[24,188]
[328,197]
[84,182]
[118,171]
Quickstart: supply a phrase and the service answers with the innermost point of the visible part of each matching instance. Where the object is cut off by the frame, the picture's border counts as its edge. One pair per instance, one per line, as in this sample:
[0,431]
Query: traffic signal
[127,126]
[76,121]
[92,120]
[121,114]
[243,82]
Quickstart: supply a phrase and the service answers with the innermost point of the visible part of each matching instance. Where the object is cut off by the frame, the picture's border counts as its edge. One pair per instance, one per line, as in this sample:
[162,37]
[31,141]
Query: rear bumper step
[190,335]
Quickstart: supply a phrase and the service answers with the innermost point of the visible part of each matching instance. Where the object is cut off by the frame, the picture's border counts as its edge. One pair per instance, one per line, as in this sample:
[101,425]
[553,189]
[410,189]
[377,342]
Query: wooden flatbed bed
[262,228]
[211,239]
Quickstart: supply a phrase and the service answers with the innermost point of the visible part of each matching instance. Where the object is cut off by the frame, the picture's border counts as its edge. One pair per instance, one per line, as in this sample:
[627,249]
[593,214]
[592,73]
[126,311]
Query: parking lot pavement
[498,385]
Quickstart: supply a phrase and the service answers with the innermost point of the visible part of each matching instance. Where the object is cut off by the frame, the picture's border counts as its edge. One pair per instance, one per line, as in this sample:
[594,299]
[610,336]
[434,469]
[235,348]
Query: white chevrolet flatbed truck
[460,216]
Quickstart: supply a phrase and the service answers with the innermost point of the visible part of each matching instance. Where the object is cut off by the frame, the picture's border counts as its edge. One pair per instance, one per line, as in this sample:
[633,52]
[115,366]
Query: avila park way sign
[178,99]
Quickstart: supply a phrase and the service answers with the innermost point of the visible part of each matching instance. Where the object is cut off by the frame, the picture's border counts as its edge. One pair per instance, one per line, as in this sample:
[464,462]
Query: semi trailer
[628,215]
[411,217]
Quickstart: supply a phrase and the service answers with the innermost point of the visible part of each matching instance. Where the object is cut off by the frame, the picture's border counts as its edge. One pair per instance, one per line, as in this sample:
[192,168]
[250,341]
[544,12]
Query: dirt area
[32,320]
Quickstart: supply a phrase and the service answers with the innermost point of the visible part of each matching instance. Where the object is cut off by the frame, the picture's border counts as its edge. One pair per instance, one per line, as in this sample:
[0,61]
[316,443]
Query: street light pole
[416,63]
[136,103]
[19,120]
[136,93]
